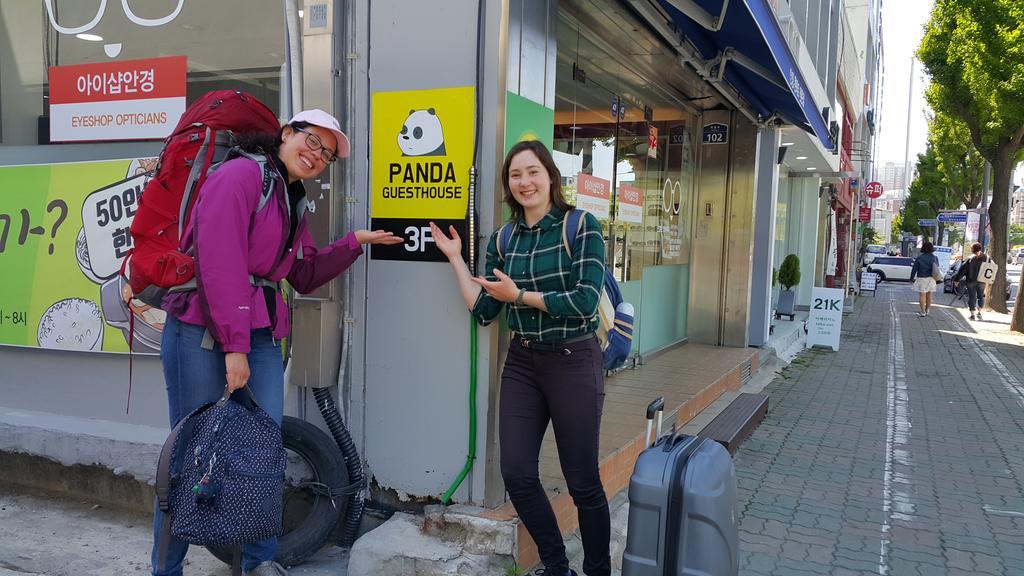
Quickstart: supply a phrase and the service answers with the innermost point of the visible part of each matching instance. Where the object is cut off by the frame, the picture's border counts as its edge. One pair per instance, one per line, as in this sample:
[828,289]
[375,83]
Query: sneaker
[920,314]
[268,568]
[547,572]
[972,316]
[979,316]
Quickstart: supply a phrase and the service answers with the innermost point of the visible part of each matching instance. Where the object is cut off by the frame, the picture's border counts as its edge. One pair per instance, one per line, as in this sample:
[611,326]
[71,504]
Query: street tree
[972,51]
[959,162]
[927,194]
[897,227]
[1016,234]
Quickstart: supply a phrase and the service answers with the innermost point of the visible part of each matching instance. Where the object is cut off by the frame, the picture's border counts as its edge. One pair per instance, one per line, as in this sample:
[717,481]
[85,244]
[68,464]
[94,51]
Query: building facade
[695,134]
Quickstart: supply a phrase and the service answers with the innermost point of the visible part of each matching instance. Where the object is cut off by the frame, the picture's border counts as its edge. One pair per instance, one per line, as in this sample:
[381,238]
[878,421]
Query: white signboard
[833,245]
[973,223]
[826,317]
[944,254]
[593,194]
[868,281]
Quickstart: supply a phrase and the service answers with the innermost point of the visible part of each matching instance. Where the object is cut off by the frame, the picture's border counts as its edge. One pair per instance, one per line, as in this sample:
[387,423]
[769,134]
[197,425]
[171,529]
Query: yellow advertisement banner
[63,235]
[421,152]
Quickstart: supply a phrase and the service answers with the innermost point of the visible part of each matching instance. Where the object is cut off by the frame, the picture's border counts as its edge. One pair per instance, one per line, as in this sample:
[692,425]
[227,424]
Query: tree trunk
[1017,322]
[1002,171]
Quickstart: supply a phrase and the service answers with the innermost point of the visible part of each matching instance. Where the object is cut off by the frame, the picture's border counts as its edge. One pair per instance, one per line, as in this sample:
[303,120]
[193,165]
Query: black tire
[309,516]
[881,275]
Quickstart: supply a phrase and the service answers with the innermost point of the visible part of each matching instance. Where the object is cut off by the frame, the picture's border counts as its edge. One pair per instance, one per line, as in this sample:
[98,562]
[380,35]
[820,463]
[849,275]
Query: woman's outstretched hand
[377,237]
[450,247]
[504,290]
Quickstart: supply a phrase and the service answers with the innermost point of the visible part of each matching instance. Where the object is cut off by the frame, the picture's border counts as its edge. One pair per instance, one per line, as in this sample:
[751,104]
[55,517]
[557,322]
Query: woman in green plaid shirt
[553,371]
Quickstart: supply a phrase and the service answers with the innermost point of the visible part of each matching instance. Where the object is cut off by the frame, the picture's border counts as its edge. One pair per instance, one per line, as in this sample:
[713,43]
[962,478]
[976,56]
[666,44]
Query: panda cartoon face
[421,134]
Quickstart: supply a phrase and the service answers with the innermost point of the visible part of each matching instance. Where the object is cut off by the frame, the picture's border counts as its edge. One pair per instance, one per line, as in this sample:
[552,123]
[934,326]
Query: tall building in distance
[1017,209]
[891,176]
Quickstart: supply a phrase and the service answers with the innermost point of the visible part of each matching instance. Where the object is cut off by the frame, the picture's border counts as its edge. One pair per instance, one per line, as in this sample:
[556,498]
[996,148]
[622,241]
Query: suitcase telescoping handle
[656,407]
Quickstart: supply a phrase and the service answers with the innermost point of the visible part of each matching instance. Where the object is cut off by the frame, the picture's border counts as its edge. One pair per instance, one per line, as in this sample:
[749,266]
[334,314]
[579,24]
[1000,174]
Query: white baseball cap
[318,117]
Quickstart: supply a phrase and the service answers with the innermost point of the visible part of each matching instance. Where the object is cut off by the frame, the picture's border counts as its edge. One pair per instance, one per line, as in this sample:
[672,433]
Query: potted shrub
[789,276]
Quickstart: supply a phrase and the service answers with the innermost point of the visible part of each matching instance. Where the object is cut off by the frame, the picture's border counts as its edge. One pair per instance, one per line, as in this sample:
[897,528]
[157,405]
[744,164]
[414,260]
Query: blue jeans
[975,295]
[196,376]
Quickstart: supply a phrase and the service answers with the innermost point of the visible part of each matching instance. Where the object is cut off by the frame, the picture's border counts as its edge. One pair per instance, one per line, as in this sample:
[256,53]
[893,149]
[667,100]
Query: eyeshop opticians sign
[123,100]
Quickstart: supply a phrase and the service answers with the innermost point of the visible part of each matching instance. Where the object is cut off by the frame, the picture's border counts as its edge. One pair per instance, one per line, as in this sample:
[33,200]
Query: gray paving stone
[815,475]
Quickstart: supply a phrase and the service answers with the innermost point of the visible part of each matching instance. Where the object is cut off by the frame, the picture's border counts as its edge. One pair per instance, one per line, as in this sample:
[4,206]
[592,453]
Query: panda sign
[421,152]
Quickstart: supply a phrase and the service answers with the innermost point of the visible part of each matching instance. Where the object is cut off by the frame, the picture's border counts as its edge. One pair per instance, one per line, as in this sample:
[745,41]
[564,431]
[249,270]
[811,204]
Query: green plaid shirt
[537,261]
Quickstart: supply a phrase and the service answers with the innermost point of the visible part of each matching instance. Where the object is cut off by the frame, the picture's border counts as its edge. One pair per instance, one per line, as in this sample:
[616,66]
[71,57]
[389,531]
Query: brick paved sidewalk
[902,454]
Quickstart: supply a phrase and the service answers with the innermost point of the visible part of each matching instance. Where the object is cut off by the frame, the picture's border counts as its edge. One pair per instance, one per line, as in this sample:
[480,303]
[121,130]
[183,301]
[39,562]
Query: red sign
[122,100]
[865,214]
[631,204]
[873,189]
[593,194]
[652,141]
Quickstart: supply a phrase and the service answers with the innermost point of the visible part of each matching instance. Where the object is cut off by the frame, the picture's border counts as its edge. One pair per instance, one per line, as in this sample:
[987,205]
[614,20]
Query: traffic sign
[956,216]
[874,189]
[928,222]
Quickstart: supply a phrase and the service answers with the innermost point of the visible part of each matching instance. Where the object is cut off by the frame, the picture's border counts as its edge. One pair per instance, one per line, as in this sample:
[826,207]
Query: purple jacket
[232,241]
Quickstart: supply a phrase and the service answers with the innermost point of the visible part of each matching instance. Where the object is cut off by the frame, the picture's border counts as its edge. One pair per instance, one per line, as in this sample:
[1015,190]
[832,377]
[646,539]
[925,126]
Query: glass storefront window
[623,129]
[221,52]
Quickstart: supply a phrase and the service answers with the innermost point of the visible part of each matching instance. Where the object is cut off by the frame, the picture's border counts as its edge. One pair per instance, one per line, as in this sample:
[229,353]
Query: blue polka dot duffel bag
[221,474]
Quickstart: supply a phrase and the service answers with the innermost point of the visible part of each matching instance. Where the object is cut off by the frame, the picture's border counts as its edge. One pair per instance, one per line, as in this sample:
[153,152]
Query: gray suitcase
[682,507]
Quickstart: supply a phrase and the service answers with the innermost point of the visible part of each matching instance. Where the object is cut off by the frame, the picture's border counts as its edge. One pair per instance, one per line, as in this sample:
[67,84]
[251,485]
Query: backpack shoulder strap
[572,223]
[266,170]
[504,237]
[194,175]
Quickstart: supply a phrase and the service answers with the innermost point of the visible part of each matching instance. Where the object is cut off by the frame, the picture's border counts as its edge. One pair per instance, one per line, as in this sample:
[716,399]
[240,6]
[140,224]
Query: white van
[872,251]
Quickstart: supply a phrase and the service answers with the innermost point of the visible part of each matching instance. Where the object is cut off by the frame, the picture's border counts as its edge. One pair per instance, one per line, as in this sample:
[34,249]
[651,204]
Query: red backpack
[203,137]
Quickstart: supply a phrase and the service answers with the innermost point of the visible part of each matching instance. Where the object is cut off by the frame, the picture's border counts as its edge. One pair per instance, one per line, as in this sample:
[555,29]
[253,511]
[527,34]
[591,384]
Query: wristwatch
[519,297]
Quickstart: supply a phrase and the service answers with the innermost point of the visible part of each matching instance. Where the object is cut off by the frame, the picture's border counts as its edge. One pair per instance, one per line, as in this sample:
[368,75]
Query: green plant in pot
[789,276]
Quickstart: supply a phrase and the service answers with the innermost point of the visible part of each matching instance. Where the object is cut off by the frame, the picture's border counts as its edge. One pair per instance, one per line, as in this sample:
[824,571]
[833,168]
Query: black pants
[975,295]
[565,386]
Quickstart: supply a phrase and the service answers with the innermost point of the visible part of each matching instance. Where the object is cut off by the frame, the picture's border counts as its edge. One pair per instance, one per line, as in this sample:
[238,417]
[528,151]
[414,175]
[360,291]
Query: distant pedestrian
[969,271]
[924,284]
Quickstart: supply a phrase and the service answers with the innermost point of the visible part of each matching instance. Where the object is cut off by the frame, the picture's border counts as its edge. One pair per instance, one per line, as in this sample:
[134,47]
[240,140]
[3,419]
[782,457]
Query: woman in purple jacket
[227,332]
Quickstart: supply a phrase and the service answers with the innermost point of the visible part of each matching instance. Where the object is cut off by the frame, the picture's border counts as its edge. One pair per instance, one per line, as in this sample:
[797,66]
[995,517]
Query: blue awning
[759,64]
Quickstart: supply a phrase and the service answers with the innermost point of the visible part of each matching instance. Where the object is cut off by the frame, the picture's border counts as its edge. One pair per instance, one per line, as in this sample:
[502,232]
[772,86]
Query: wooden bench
[734,424]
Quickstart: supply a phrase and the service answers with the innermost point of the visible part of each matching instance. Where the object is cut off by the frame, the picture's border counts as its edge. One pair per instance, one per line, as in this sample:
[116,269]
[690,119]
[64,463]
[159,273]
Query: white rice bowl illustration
[71,324]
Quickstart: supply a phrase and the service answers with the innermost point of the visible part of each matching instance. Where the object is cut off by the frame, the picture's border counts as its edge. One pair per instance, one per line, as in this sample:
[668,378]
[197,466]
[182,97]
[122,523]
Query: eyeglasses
[316,145]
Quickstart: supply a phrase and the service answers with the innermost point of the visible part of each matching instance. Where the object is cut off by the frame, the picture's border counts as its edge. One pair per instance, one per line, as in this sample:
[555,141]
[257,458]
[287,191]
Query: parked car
[872,251]
[891,267]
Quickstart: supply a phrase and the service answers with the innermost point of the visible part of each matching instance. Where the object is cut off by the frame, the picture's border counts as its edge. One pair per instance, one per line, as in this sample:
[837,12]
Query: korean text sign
[825,322]
[631,204]
[593,194]
[121,100]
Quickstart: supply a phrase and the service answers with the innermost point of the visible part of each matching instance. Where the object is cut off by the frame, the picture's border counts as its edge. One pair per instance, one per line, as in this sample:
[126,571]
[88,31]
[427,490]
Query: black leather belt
[552,346]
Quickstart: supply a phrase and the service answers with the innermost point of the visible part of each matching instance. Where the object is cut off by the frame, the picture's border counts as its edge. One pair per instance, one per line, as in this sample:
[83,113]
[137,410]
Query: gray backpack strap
[269,178]
[267,170]
[193,178]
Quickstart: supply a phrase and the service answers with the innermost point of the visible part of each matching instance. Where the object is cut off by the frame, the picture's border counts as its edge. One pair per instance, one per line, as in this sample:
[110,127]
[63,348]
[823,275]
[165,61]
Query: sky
[902,28]
[903,24]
